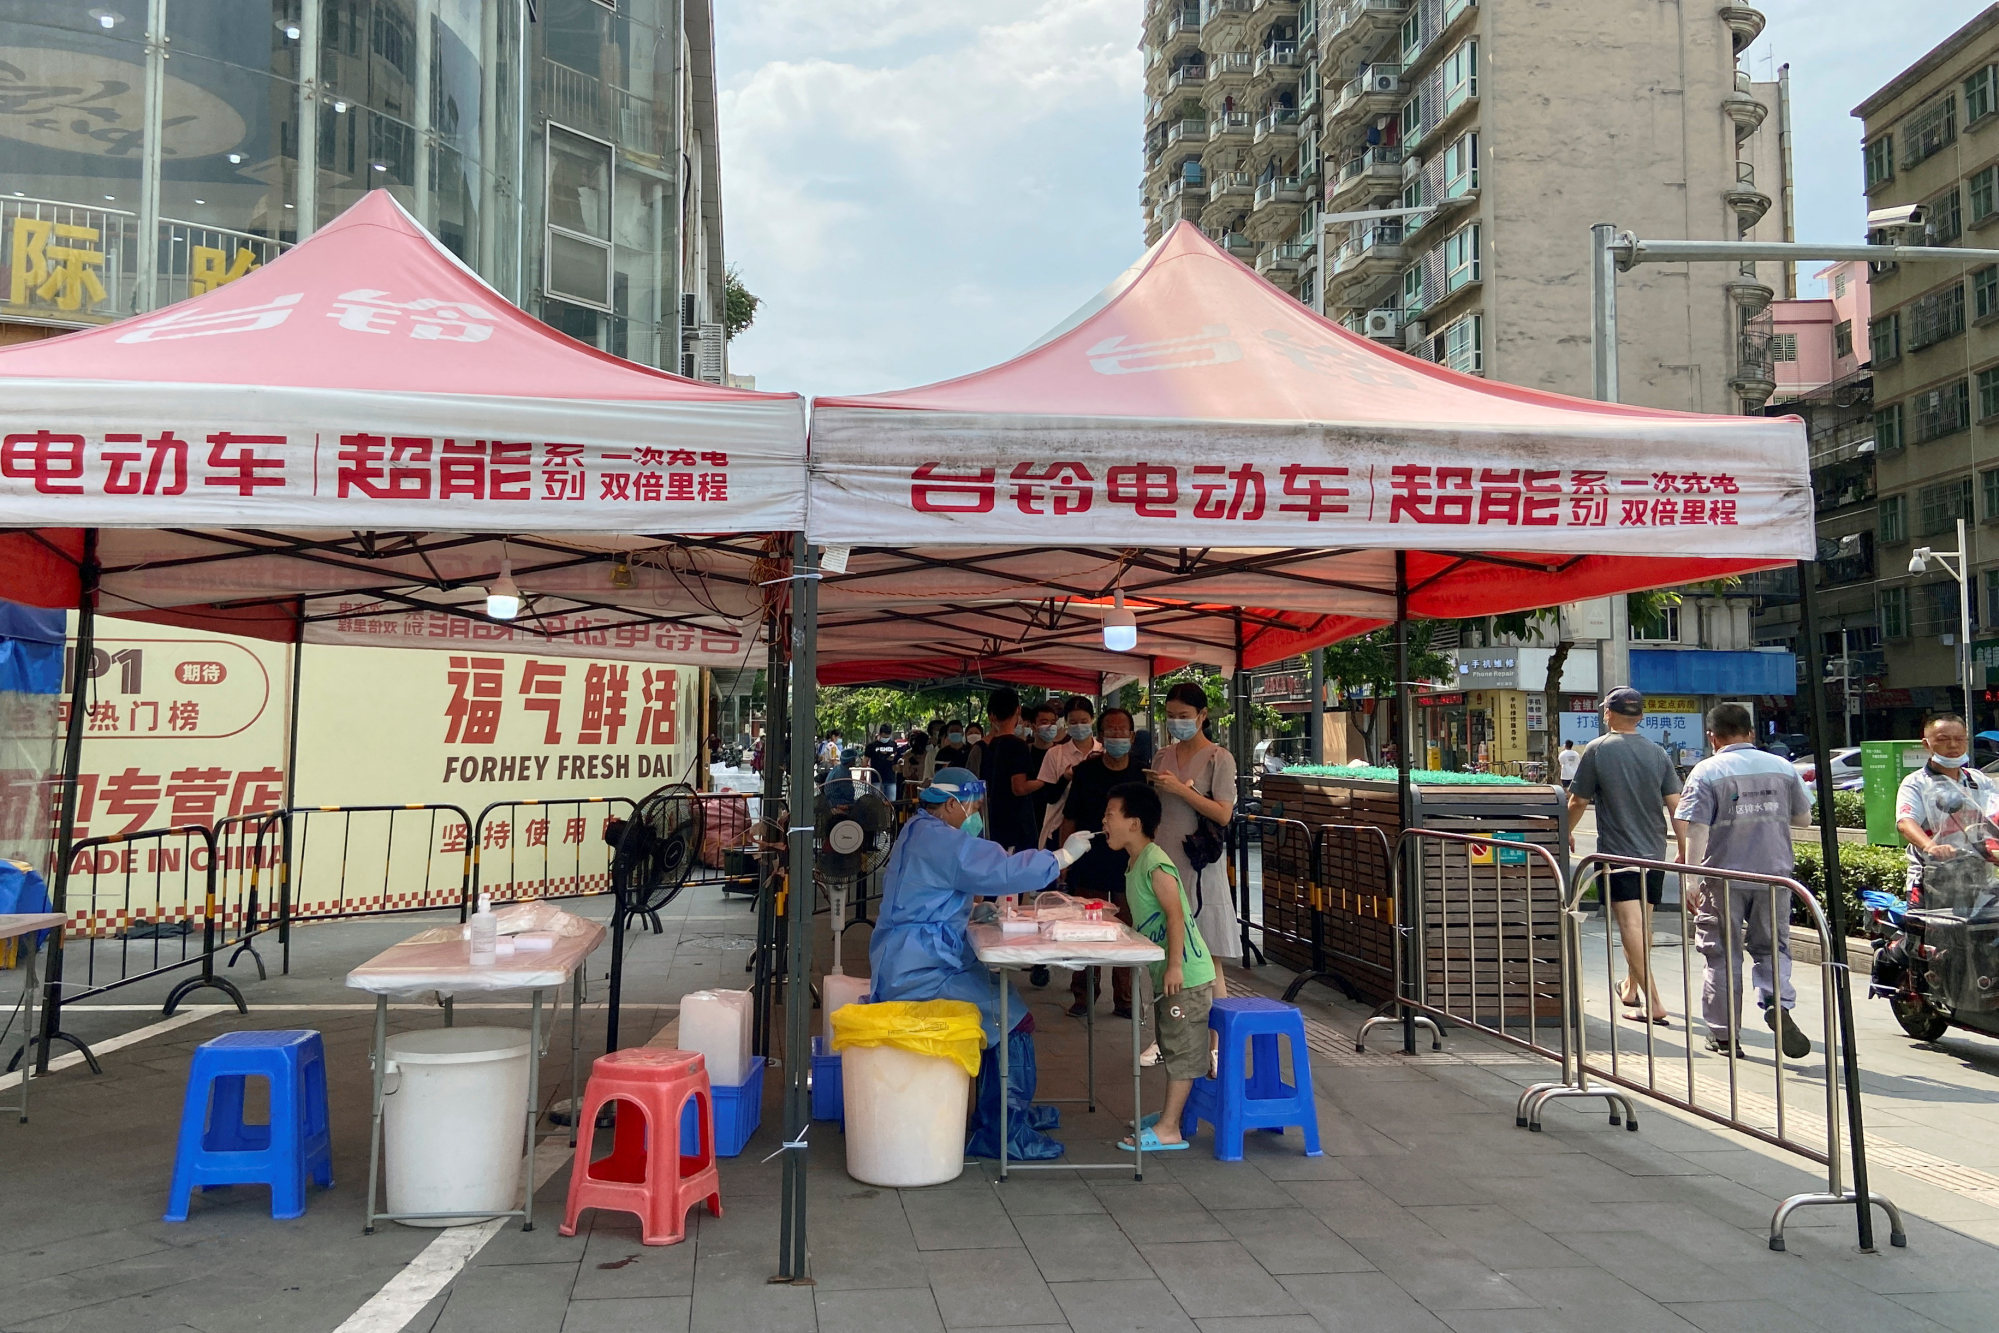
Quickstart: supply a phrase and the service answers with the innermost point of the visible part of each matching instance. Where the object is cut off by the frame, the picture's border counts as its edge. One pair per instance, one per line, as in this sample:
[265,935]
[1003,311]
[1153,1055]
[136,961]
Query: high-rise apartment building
[155,149]
[1511,126]
[1932,141]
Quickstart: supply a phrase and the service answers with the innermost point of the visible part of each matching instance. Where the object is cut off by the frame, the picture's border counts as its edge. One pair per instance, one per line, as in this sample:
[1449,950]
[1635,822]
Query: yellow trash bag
[946,1028]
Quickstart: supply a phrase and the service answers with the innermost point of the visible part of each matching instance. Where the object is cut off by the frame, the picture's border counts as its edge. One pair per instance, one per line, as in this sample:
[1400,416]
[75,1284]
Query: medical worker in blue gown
[922,949]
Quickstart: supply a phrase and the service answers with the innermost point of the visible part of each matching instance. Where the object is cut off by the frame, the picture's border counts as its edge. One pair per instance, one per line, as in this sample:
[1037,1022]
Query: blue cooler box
[738,1112]
[828,1098]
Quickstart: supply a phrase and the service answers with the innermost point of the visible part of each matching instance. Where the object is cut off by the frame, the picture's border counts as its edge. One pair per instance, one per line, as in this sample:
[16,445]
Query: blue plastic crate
[738,1112]
[829,1101]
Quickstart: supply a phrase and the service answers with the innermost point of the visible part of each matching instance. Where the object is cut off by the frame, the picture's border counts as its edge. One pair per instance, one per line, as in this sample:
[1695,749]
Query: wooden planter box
[1488,914]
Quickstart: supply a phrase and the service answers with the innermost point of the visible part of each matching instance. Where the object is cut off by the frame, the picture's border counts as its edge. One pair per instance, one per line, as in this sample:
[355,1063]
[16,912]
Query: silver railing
[1678,1080]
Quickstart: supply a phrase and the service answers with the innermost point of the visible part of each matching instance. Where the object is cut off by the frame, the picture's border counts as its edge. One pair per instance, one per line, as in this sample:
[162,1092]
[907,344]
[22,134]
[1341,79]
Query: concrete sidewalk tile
[1223,1185]
[1745,1317]
[1141,1305]
[900,1310]
[990,1289]
[1650,1265]
[1412,1181]
[1070,1247]
[1496,1236]
[1290,1240]
[656,1314]
[521,1296]
[1593,1298]
[1360,1303]
[1157,1209]
[1964,1311]
[1260,1323]
[52,1259]
[749,1307]
[1216,1278]
[618,1263]
[1036,1196]
[958,1219]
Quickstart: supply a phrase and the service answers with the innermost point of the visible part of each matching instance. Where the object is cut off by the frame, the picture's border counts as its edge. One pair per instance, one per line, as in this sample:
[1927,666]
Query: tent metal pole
[88,572]
[1409,909]
[799,833]
[1835,895]
[1315,744]
[1245,781]
[768,869]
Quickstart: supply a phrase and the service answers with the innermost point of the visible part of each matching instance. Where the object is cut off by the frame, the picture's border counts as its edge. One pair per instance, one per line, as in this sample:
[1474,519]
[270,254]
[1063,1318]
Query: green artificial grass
[1422,777]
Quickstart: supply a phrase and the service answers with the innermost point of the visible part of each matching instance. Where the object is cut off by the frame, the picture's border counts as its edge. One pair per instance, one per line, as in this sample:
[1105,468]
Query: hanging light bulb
[1120,626]
[503,596]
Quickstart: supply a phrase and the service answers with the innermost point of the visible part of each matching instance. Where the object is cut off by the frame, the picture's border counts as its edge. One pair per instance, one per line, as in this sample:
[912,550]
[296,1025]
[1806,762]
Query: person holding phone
[1196,779]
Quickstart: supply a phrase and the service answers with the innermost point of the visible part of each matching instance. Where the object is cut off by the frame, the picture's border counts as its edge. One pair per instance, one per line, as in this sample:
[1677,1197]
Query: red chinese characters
[476,691]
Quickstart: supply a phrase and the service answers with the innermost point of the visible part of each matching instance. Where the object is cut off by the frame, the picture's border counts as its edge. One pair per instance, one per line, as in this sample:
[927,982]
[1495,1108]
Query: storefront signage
[1489,669]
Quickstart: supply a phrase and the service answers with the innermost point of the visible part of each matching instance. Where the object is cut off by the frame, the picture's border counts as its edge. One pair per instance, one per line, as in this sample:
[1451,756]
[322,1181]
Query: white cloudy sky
[918,188]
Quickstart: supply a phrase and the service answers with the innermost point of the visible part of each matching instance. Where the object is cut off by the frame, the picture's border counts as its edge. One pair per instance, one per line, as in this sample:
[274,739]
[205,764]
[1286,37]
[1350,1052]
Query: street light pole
[1958,565]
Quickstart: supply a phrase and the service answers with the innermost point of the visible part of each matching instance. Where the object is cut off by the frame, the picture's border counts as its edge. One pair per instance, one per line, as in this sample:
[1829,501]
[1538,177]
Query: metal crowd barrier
[1300,859]
[1683,1086]
[250,848]
[578,830]
[135,903]
[1472,955]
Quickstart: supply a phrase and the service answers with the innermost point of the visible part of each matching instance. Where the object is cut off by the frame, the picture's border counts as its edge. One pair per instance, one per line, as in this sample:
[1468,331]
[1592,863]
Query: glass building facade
[152,150]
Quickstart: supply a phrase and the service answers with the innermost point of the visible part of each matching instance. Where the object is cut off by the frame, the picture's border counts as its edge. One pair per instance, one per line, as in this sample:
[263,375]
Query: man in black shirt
[1099,872]
[1008,768]
[881,757]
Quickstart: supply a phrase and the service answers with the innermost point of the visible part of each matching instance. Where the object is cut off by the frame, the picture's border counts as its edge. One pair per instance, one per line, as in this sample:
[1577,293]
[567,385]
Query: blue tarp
[1713,671]
[31,649]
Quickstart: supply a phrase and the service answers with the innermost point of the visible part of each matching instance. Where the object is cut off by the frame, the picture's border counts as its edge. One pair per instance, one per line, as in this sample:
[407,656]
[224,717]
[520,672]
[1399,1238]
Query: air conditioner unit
[1383,324]
[1412,166]
[1385,83]
[1414,334]
[687,315]
[709,356]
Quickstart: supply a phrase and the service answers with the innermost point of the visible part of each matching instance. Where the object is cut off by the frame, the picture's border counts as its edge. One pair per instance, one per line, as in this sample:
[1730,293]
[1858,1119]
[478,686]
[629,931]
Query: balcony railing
[1373,241]
[1336,26]
[1187,76]
[1179,186]
[1187,20]
[1285,255]
[1228,122]
[1381,155]
[1280,189]
[588,103]
[1276,120]
[1186,131]
[1277,55]
[1211,9]
[1229,64]
[1234,242]
[1226,183]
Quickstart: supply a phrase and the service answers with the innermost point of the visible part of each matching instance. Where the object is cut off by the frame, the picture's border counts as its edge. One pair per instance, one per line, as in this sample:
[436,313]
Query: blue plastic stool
[217,1148]
[1239,1099]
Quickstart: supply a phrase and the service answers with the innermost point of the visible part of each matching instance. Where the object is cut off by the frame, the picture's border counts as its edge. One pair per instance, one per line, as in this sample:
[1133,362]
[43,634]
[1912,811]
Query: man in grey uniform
[1740,805]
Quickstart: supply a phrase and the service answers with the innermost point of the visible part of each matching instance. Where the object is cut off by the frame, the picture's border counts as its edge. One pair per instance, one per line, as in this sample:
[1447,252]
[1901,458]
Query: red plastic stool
[654,1083]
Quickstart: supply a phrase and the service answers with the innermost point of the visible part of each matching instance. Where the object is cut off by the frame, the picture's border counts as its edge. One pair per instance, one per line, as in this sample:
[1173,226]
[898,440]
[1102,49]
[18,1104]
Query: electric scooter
[1936,958]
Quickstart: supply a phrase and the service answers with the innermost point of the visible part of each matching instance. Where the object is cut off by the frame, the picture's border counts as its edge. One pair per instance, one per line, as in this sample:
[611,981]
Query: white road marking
[192,1014]
[403,1296]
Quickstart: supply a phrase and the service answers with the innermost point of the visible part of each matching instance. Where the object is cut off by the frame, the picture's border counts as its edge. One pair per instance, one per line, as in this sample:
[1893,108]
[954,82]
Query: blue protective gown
[921,948]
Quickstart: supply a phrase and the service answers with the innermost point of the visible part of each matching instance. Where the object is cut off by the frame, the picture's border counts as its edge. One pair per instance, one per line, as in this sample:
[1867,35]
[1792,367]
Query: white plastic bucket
[455,1122]
[905,1116]
[717,1024]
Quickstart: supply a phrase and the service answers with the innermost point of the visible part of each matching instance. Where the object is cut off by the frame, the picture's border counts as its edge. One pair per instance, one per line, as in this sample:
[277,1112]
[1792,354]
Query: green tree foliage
[739,305]
[1366,664]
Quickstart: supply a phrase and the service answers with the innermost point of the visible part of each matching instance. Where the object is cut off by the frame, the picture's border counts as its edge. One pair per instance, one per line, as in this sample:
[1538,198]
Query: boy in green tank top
[1183,982]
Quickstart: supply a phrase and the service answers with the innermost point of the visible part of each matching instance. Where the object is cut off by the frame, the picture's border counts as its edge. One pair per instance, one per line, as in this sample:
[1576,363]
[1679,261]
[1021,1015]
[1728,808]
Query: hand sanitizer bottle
[485,933]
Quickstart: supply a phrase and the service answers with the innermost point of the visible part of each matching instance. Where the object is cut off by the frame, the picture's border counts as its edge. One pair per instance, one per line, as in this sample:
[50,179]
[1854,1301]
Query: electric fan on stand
[855,827]
[654,853]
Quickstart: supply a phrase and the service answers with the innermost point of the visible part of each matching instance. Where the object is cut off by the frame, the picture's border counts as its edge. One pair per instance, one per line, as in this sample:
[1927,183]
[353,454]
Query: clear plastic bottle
[485,933]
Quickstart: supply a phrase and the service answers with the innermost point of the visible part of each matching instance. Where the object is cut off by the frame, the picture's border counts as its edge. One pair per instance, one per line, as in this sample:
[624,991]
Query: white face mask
[1045,733]
[1950,760]
[1079,731]
[1182,728]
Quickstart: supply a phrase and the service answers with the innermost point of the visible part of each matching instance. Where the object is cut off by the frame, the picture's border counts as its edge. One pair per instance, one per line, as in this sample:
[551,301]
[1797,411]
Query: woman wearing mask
[1079,742]
[1195,779]
[1099,872]
[951,754]
[918,761]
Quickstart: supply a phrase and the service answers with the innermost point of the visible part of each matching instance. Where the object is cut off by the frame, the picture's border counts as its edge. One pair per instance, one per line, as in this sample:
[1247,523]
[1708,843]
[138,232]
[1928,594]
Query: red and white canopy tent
[1256,481]
[1203,442]
[335,445]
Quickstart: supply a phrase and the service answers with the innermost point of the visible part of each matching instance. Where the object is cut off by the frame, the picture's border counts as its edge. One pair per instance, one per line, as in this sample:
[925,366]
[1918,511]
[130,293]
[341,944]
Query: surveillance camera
[1889,219]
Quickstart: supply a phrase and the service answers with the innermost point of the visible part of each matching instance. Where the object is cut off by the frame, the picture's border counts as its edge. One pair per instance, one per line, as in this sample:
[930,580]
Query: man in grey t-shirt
[1634,787]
